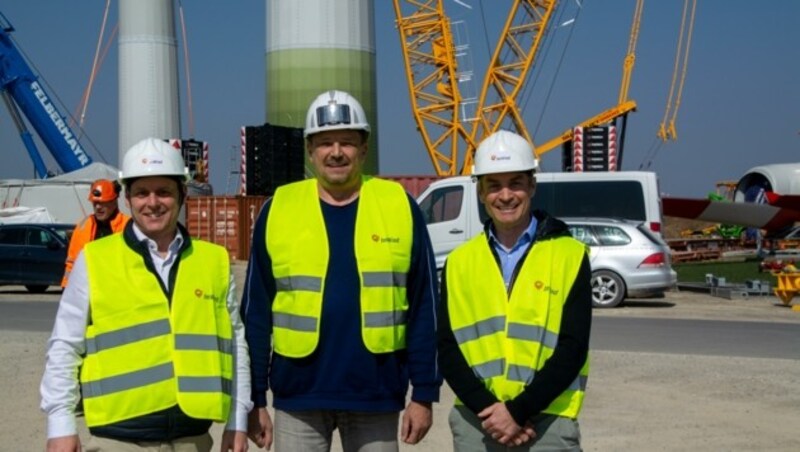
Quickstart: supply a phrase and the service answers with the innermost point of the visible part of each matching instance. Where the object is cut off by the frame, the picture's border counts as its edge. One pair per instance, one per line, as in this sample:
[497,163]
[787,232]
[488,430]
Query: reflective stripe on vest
[144,355]
[298,247]
[507,340]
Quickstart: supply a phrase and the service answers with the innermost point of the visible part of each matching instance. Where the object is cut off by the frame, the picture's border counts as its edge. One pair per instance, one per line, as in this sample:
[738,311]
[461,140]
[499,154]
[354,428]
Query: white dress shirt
[59,388]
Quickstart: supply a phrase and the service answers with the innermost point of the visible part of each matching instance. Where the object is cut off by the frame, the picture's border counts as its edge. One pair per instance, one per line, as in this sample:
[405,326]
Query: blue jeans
[312,431]
[553,433]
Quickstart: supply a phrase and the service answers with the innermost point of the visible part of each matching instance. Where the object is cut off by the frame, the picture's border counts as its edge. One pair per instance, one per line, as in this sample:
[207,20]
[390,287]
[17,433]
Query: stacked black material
[274,156]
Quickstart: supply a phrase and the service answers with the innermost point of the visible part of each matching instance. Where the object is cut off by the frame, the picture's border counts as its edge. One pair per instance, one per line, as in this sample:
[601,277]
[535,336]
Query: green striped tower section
[297,77]
[318,45]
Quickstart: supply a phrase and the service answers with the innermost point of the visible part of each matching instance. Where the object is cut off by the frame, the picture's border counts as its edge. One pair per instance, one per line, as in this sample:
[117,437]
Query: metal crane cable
[527,87]
[485,31]
[684,64]
[187,70]
[555,74]
[87,92]
[651,154]
[666,131]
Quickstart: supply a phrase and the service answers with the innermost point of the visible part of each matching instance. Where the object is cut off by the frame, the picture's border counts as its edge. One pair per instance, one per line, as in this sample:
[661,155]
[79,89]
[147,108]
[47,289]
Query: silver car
[627,259]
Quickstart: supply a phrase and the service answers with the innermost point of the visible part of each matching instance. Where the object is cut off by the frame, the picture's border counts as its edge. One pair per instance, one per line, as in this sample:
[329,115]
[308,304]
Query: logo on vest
[378,239]
[540,286]
[199,294]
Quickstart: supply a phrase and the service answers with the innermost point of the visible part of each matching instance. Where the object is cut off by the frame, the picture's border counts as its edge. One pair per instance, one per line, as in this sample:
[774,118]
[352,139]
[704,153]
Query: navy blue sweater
[341,374]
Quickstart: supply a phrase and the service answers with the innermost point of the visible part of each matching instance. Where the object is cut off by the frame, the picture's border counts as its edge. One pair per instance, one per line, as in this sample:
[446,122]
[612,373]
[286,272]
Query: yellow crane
[430,63]
[666,129]
[507,72]
[431,72]
[624,105]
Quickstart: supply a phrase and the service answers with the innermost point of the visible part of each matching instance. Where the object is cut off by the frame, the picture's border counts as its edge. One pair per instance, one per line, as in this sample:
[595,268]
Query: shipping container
[228,220]
[414,185]
[225,220]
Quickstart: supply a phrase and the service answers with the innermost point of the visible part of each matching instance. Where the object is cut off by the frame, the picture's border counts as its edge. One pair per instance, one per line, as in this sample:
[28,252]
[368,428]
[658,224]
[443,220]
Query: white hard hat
[335,110]
[152,157]
[504,152]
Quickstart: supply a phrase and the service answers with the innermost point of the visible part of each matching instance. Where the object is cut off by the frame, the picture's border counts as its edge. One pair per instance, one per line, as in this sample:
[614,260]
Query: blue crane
[21,90]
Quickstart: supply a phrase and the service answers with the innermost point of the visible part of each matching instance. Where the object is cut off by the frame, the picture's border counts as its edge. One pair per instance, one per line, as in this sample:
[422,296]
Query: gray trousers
[201,443]
[312,431]
[553,433]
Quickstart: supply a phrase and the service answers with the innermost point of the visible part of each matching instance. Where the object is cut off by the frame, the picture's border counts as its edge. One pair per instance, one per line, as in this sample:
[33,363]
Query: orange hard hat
[104,190]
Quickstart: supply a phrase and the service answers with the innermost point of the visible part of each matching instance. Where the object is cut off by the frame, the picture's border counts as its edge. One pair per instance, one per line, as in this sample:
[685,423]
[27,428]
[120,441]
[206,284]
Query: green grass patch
[733,272]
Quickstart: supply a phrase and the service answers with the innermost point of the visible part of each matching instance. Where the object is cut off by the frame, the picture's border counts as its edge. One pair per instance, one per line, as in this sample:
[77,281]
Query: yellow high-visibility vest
[144,353]
[297,243]
[506,340]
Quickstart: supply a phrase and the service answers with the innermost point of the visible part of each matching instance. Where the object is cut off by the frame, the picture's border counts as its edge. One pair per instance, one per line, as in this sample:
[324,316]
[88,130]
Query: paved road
[36,316]
[609,333]
[677,398]
[697,337]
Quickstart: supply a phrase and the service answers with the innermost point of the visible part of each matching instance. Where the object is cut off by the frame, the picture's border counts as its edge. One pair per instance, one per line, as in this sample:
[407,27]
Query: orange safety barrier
[788,287]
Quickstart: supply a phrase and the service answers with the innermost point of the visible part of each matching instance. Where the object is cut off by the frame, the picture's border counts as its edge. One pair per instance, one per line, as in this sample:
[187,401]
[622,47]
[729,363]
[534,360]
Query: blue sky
[740,106]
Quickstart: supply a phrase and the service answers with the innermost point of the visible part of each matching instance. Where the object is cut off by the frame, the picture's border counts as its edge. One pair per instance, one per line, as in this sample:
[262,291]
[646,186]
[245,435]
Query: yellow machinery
[428,51]
[624,105]
[788,287]
[666,130]
[431,71]
[430,62]
[508,69]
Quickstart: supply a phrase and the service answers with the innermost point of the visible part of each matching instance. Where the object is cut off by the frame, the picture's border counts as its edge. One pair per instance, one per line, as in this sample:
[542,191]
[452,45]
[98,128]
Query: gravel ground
[635,401]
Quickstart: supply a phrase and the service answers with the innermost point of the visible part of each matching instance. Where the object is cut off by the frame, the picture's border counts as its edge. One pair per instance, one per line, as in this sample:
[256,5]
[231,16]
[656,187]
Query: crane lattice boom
[431,70]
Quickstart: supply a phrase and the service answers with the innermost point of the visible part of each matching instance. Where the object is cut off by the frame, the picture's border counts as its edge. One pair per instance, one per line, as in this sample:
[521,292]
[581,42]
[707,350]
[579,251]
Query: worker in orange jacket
[106,220]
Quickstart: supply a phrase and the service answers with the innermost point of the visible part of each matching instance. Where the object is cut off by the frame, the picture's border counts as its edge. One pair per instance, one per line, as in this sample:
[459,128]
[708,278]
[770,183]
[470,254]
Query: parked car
[33,255]
[628,260]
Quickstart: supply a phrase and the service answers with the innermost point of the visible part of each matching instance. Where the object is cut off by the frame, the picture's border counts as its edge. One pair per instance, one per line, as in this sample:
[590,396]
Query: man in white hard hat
[152,317]
[515,315]
[340,298]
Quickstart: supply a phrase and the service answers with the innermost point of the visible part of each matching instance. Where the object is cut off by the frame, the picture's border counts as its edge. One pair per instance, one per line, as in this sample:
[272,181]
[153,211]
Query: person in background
[198,185]
[151,317]
[105,220]
[515,315]
[339,300]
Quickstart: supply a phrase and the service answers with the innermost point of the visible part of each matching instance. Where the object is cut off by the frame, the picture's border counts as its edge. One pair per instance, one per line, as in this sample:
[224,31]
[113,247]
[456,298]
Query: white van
[454,214]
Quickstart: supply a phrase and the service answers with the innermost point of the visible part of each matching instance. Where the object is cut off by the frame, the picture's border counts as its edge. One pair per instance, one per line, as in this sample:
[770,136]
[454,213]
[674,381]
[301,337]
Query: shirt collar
[151,244]
[525,238]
